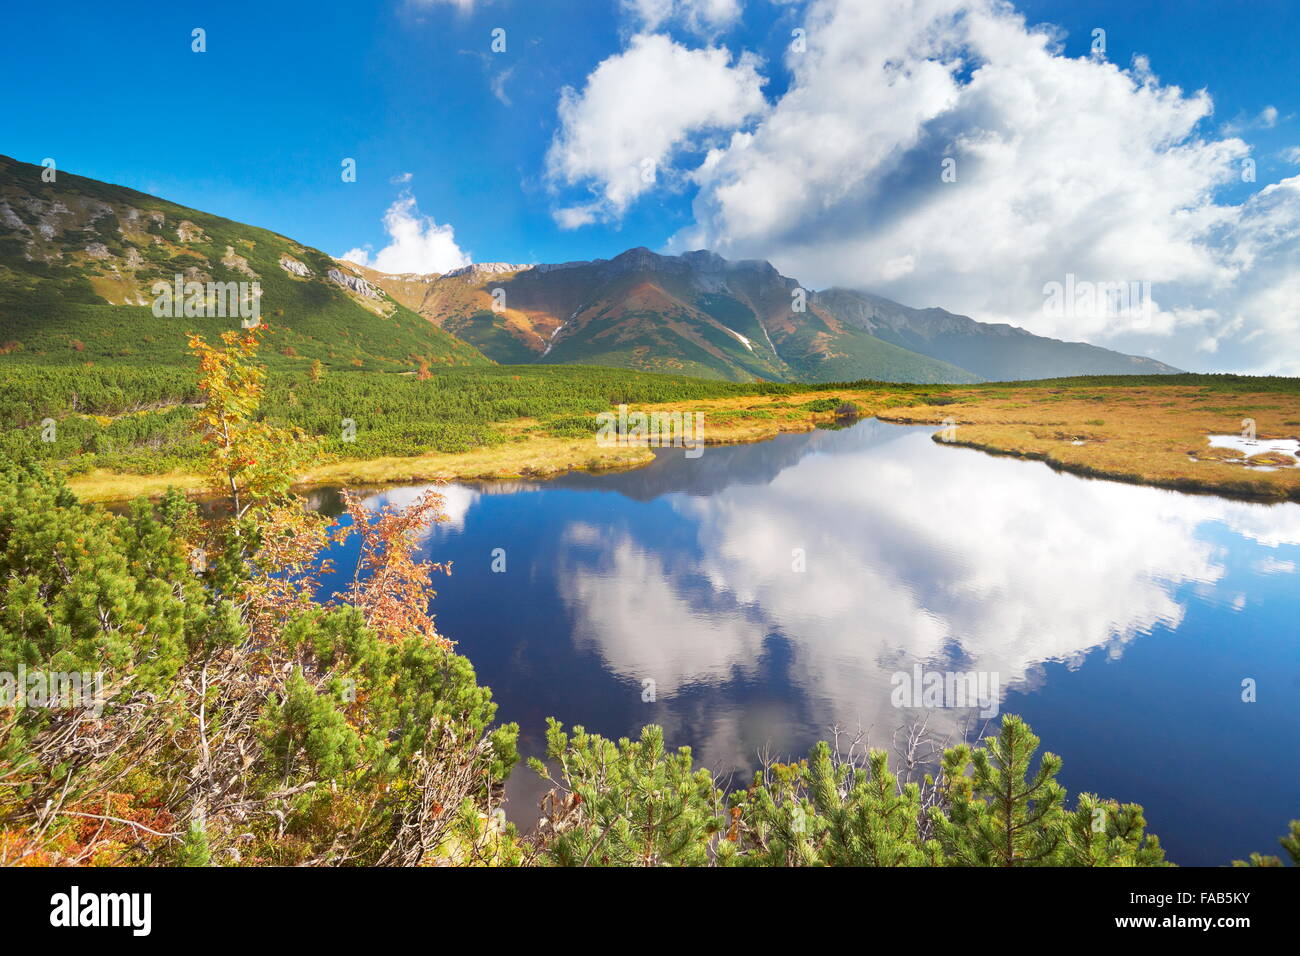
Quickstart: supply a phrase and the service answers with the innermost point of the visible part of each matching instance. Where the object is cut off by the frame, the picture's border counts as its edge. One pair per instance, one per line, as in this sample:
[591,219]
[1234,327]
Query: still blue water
[763,593]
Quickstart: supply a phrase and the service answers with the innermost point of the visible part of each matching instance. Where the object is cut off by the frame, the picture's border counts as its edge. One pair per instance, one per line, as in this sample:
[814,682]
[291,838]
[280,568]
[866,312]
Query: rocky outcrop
[10,219]
[294,267]
[237,263]
[46,213]
[355,283]
[96,210]
[487,268]
[189,232]
[134,219]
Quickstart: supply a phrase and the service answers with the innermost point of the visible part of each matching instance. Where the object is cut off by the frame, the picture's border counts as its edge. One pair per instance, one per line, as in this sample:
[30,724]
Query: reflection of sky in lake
[1119,620]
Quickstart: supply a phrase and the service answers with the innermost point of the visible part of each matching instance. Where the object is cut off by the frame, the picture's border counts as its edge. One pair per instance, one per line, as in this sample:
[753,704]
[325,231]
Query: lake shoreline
[1151,436]
[1187,486]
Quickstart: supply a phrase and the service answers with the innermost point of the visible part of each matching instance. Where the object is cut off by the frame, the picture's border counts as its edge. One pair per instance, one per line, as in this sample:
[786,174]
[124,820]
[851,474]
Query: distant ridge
[701,314]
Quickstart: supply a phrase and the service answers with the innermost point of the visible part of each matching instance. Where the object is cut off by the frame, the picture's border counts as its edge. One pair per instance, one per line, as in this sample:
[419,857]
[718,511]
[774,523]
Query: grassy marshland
[126,432]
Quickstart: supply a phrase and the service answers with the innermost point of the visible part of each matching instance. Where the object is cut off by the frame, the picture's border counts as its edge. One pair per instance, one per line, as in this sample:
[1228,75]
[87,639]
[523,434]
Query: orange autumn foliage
[390,586]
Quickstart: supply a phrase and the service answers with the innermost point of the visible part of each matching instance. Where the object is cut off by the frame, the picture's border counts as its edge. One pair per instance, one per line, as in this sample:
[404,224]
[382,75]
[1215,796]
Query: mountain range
[79,258]
[701,314]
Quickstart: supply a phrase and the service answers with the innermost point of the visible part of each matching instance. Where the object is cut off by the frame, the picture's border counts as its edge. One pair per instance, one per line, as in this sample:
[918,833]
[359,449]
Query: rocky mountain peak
[488,268]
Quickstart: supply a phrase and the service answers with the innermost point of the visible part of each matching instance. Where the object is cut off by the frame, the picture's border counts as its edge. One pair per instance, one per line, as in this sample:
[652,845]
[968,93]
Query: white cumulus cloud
[638,110]
[418,244]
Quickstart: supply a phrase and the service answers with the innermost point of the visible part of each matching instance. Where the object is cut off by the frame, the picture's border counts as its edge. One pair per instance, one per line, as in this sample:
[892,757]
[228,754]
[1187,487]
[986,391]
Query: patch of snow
[550,343]
[743,341]
[1250,448]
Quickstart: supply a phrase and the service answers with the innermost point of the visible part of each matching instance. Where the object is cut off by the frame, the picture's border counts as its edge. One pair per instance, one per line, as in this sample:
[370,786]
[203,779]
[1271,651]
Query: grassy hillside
[78,258]
[493,334]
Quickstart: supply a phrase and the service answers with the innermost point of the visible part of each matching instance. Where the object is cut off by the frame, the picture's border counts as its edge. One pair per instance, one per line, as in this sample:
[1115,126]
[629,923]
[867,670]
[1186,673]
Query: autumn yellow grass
[1150,434]
[528,455]
[1153,435]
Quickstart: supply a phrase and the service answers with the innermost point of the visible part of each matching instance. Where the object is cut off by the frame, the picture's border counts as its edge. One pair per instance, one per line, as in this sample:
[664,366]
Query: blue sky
[255,129]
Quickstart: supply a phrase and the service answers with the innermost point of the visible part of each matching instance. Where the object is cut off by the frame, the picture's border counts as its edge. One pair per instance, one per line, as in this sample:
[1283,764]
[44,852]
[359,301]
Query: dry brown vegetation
[1155,435]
